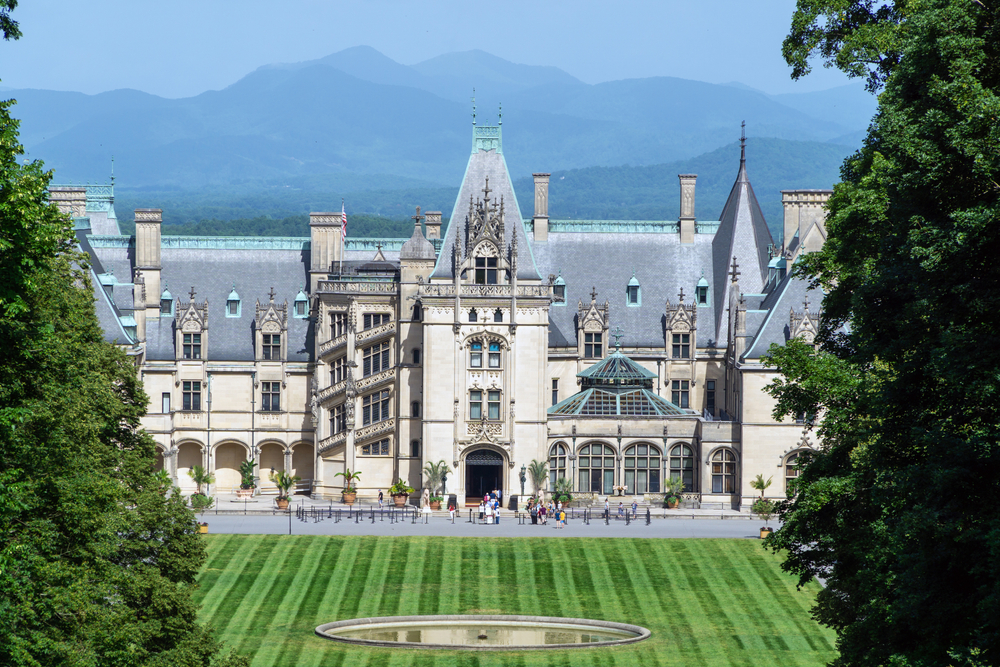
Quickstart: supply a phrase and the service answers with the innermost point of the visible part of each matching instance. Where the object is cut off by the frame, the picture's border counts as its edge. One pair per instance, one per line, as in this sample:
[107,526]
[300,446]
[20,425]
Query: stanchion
[628,518]
[373,514]
[648,517]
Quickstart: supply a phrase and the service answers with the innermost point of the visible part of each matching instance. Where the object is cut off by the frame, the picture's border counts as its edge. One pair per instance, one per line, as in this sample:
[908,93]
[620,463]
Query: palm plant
[200,476]
[564,490]
[435,473]
[760,484]
[349,478]
[284,482]
[246,474]
[538,471]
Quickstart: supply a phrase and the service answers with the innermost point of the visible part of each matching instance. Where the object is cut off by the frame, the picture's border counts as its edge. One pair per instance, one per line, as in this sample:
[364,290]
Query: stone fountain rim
[323,631]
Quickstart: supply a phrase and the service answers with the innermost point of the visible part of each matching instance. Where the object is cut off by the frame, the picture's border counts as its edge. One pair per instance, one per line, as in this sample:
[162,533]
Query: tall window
[493,404]
[376,359]
[415,409]
[592,346]
[272,347]
[555,391]
[338,370]
[473,315]
[372,320]
[375,407]
[192,346]
[791,471]
[415,449]
[681,346]
[498,315]
[723,472]
[557,464]
[192,395]
[338,420]
[486,270]
[475,404]
[680,393]
[597,469]
[494,355]
[270,396]
[642,469]
[338,324]
[476,356]
[418,312]
[682,465]
[416,355]
[165,403]
[380,448]
[701,295]
[710,396]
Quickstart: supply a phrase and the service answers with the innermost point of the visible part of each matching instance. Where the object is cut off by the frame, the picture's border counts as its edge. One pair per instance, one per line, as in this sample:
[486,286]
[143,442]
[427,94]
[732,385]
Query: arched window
[597,469]
[418,312]
[642,469]
[415,409]
[476,355]
[416,355]
[557,464]
[791,471]
[498,315]
[473,315]
[682,465]
[723,472]
[494,355]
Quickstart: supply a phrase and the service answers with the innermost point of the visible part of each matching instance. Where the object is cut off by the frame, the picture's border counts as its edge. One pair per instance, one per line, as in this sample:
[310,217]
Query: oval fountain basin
[482,633]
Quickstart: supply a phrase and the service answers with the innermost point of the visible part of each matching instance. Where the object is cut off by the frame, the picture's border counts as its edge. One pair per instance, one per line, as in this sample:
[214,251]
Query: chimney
[805,216]
[70,200]
[147,255]
[541,219]
[326,245]
[432,221]
[687,220]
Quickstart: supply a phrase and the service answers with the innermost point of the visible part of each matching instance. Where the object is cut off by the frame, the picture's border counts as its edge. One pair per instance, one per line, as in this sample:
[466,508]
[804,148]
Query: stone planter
[282,503]
[349,498]
[764,532]
[244,493]
[673,504]
[400,499]
[203,529]
[435,504]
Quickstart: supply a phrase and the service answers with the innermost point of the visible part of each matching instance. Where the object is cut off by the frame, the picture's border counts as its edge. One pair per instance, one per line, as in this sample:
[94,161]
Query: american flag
[343,221]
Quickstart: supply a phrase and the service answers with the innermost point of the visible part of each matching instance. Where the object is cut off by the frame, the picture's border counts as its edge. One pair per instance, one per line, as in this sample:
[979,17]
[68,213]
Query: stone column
[147,256]
[541,218]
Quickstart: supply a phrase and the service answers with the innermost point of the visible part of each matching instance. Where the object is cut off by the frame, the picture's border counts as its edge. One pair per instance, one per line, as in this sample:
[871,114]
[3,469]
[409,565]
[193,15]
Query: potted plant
[246,479]
[350,490]
[761,485]
[434,475]
[538,472]
[620,490]
[400,491]
[765,510]
[202,527]
[562,492]
[200,476]
[284,482]
[674,487]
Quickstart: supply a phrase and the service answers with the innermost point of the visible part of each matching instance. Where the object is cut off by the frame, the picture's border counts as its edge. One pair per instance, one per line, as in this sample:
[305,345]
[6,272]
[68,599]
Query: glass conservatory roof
[611,402]
[616,370]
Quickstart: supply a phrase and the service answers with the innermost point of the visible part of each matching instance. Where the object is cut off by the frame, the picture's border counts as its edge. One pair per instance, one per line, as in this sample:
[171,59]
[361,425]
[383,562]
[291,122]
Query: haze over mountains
[358,122]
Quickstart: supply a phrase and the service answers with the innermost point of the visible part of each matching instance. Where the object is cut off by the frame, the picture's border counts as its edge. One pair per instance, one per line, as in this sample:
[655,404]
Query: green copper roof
[616,370]
[600,402]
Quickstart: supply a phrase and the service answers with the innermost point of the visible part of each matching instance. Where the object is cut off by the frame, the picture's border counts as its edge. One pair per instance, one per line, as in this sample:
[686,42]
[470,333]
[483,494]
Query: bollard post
[647,516]
[628,519]
[373,514]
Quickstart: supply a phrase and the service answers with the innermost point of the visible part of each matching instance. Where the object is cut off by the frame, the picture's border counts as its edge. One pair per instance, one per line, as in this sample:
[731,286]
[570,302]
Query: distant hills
[287,138]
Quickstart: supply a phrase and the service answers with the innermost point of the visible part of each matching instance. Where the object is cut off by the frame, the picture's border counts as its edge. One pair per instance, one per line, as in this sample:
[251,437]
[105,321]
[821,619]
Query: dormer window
[633,293]
[559,290]
[701,292]
[166,304]
[498,315]
[300,307]
[486,270]
[233,304]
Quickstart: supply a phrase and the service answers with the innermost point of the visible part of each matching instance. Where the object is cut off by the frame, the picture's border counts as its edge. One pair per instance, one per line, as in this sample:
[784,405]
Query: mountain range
[357,121]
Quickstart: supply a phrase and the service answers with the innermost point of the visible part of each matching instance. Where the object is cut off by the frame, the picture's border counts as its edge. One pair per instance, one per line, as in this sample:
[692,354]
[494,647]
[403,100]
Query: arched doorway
[272,457]
[228,457]
[303,463]
[483,473]
[188,455]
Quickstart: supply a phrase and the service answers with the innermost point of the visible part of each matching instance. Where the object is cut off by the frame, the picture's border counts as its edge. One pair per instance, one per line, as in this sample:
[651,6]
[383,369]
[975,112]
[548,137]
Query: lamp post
[523,476]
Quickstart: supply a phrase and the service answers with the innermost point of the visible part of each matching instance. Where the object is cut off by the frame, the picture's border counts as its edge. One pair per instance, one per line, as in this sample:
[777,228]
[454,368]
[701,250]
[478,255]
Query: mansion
[620,352]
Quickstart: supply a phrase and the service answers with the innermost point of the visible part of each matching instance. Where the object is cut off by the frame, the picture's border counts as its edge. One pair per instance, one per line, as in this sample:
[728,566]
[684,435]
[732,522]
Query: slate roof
[605,261]
[483,164]
[417,246]
[774,326]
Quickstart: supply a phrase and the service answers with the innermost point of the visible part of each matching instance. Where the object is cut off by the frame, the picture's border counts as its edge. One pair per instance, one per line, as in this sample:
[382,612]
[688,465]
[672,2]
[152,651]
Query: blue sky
[184,47]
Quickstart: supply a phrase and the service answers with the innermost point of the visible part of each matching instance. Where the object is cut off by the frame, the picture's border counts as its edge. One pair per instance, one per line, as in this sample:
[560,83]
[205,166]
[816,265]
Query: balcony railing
[326,444]
[332,345]
[375,333]
[375,380]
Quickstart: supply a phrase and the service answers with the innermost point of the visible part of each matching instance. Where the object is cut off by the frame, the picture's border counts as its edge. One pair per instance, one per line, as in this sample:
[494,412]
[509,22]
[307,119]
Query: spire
[473,107]
[743,143]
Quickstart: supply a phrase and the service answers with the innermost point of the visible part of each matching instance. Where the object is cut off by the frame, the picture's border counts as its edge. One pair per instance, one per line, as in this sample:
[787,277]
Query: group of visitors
[540,513]
[622,510]
[489,508]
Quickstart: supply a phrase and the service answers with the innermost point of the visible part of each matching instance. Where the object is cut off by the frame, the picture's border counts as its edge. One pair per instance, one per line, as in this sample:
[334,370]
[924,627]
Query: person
[541,514]
[451,511]
[562,518]
[489,513]
[607,507]
[499,498]
[496,514]
[621,510]
[635,508]
[482,511]
[533,511]
[380,498]
[427,513]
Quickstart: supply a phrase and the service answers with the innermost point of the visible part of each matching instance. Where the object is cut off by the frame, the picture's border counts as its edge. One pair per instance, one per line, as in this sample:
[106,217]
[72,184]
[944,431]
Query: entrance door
[483,473]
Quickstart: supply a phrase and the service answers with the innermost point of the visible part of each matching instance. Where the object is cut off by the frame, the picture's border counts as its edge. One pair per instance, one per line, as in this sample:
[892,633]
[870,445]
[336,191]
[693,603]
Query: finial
[486,192]
[500,115]
[735,270]
[680,297]
[272,295]
[617,334]
[192,293]
[473,106]
[593,295]
[417,218]
[112,170]
[743,141]
[805,304]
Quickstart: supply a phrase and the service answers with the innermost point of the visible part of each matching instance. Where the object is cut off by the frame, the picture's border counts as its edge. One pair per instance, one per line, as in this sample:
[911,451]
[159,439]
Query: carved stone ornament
[313,401]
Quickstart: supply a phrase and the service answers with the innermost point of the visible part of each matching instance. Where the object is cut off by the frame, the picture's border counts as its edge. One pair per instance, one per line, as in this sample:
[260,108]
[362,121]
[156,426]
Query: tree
[98,554]
[200,477]
[435,473]
[538,472]
[897,510]
[760,484]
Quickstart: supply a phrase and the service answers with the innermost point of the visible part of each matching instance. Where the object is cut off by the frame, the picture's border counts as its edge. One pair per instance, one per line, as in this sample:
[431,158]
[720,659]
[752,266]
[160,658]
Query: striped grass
[708,602]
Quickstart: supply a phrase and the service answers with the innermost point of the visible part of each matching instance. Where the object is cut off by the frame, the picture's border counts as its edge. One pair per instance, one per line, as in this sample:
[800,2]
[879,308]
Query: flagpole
[343,235]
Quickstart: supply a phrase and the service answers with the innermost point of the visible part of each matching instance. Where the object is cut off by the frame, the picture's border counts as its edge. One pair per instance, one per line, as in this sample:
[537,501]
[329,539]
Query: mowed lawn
[707,601]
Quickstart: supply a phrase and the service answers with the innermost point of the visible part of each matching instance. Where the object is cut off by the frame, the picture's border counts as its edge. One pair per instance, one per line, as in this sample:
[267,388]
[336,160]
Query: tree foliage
[897,511]
[98,554]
